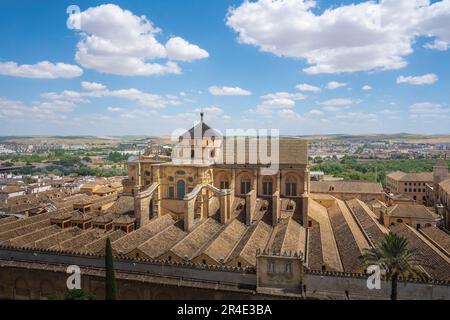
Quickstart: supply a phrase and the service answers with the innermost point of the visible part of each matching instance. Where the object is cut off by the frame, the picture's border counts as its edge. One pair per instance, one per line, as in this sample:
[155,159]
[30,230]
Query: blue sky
[304,67]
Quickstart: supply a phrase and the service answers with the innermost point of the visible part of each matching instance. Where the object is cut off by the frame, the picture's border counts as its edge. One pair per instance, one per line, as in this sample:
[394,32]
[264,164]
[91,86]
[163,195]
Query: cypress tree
[110,281]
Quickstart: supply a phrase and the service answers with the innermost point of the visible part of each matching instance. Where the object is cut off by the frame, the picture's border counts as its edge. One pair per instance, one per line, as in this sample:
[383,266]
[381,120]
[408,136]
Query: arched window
[267,186]
[291,187]
[245,185]
[181,189]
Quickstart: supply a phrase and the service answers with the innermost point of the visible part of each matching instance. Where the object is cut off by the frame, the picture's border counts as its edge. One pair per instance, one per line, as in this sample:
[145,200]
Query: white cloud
[340,102]
[333,85]
[429,78]
[332,109]
[116,41]
[228,91]
[53,106]
[284,95]
[11,107]
[428,109]
[278,101]
[92,85]
[115,109]
[143,98]
[438,45]
[48,111]
[366,88]
[179,49]
[316,112]
[40,70]
[370,35]
[389,112]
[210,112]
[289,114]
[307,87]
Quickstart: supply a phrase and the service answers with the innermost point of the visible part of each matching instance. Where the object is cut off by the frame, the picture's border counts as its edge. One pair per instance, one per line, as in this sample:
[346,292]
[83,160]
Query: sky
[150,67]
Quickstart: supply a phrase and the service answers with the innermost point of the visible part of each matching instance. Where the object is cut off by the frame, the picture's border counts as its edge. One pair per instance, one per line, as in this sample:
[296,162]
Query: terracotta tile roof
[81,217]
[163,241]
[98,246]
[77,243]
[291,150]
[20,231]
[53,240]
[439,236]
[30,238]
[102,219]
[329,248]
[225,241]
[4,220]
[412,211]
[24,222]
[123,205]
[367,220]
[124,219]
[445,185]
[104,189]
[436,264]
[256,237]
[134,239]
[295,238]
[62,215]
[349,250]
[192,244]
[315,255]
[412,176]
[346,187]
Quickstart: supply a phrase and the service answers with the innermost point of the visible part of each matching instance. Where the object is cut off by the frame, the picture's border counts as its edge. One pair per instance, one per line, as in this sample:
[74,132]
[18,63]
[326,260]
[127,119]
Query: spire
[201,115]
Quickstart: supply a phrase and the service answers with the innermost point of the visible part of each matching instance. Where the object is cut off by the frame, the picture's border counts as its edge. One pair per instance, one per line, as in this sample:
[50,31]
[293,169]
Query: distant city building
[412,185]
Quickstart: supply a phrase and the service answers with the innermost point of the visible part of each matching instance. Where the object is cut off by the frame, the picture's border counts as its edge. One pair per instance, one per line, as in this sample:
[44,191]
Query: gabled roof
[346,186]
[445,185]
[412,211]
[411,177]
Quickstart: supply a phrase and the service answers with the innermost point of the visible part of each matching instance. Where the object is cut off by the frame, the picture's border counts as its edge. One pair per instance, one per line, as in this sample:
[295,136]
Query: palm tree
[392,255]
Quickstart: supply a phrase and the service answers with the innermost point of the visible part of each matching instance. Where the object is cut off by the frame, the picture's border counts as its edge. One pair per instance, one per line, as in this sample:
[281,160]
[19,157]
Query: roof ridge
[437,245]
[429,244]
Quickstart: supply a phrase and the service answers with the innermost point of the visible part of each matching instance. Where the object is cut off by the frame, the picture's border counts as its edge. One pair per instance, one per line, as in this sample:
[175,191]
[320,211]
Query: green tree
[392,255]
[76,294]
[110,281]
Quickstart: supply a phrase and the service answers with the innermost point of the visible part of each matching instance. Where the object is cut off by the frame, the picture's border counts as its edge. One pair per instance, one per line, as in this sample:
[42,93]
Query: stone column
[189,215]
[276,204]
[305,208]
[255,180]
[250,204]
[205,205]
[223,210]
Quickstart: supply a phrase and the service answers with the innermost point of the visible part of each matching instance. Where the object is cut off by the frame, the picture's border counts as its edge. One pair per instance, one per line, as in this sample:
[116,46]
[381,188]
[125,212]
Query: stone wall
[341,286]
[33,274]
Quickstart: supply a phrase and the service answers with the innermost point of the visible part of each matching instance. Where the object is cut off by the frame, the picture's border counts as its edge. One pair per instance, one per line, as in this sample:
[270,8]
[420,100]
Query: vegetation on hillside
[351,168]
